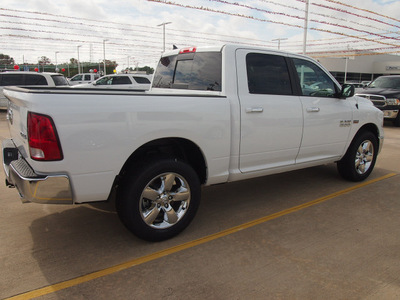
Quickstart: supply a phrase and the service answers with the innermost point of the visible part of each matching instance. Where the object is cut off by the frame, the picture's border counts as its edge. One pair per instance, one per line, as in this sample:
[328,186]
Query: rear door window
[121,80]
[12,79]
[268,74]
[33,79]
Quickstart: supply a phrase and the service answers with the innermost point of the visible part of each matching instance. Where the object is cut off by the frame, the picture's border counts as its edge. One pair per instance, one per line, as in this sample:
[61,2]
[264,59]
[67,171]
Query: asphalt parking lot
[300,235]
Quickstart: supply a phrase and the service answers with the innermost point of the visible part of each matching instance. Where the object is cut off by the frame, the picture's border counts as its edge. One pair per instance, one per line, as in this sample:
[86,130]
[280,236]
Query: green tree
[147,69]
[6,60]
[44,61]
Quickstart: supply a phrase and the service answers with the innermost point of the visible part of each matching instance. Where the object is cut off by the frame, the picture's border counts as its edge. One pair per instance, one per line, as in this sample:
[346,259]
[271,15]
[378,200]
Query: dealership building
[361,66]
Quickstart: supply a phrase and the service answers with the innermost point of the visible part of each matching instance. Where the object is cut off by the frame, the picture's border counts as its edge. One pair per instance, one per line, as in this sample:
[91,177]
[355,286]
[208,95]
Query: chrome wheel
[364,157]
[164,200]
[360,158]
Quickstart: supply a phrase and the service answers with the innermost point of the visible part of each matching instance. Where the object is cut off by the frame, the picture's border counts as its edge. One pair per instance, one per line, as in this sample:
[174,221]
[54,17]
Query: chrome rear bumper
[32,187]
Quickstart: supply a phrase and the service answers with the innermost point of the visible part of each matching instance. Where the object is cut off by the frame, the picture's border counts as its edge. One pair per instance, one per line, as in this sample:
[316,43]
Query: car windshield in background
[386,83]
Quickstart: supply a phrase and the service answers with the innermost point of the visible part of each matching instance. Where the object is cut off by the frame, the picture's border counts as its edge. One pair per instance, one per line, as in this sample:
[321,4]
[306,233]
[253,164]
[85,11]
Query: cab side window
[314,82]
[268,74]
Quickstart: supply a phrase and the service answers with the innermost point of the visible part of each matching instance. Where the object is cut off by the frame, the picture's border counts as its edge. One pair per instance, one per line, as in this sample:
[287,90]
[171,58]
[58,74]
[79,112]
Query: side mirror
[347,91]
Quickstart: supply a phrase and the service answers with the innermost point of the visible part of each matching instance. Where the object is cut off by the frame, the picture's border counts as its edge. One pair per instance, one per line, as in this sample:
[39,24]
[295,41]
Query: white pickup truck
[213,115]
[26,78]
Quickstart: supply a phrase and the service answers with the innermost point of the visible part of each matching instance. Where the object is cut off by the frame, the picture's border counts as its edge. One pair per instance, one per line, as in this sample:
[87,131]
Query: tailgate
[17,117]
[32,186]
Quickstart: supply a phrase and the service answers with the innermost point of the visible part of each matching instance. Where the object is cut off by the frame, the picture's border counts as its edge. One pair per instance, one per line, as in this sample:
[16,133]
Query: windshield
[386,83]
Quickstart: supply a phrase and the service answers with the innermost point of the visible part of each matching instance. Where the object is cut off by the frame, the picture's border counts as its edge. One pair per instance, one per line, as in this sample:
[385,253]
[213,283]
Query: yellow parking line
[134,262]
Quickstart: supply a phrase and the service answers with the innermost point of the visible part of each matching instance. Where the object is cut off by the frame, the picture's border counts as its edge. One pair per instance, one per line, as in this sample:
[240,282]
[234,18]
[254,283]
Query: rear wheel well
[174,148]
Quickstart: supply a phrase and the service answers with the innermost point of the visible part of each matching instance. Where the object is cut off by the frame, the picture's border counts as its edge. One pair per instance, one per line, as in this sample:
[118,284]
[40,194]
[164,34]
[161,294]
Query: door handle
[313,109]
[254,109]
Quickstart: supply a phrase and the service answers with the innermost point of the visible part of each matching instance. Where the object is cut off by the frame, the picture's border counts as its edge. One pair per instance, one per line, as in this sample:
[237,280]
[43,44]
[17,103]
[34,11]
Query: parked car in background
[384,92]
[356,84]
[26,78]
[83,78]
[140,82]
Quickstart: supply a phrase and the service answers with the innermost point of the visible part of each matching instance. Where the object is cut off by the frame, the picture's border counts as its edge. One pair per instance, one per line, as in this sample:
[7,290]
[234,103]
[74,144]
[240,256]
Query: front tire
[159,200]
[360,157]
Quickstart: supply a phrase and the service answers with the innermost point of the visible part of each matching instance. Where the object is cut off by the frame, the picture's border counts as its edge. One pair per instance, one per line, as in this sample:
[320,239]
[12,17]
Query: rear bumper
[33,187]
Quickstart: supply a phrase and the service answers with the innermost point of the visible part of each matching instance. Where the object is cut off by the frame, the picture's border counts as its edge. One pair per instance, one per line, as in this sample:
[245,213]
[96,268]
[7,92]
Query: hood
[381,92]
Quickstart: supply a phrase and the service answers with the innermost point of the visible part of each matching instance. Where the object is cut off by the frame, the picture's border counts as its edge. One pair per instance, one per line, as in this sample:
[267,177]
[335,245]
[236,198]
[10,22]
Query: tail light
[42,138]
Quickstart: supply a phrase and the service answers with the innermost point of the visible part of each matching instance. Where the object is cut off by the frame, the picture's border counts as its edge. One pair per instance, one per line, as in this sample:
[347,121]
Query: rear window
[59,80]
[141,79]
[77,77]
[192,71]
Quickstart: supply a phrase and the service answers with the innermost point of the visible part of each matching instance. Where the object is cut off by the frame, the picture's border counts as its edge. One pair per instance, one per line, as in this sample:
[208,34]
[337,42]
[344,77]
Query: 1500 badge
[345,123]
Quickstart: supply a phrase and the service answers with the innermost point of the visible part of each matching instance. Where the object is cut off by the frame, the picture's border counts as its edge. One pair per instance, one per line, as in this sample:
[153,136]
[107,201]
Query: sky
[129,31]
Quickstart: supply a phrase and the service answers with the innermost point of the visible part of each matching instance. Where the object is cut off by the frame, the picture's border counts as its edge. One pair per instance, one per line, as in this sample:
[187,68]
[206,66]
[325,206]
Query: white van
[138,82]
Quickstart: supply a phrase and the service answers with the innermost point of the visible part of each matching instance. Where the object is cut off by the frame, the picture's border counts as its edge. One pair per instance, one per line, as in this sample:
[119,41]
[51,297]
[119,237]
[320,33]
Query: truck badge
[345,123]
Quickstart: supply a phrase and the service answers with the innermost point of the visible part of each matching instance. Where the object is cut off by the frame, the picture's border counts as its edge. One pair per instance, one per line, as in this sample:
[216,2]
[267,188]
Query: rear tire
[159,200]
[360,157]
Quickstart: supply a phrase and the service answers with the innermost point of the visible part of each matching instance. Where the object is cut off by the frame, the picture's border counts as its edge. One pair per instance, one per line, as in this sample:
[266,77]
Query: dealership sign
[392,68]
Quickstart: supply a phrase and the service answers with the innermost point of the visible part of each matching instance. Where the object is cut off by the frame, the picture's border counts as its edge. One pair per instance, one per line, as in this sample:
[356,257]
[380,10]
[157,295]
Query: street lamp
[79,65]
[305,27]
[163,25]
[279,42]
[104,56]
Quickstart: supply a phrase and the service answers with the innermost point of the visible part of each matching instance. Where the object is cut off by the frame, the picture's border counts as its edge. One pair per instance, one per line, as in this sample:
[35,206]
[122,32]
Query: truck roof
[233,47]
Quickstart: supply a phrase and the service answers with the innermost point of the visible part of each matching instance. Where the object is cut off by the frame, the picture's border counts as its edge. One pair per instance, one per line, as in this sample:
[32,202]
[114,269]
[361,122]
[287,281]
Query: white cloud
[130,26]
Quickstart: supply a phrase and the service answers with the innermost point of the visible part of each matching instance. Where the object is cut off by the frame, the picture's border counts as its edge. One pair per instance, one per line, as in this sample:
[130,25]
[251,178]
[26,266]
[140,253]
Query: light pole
[305,27]
[79,65]
[163,25]
[104,56]
[279,42]
[56,60]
